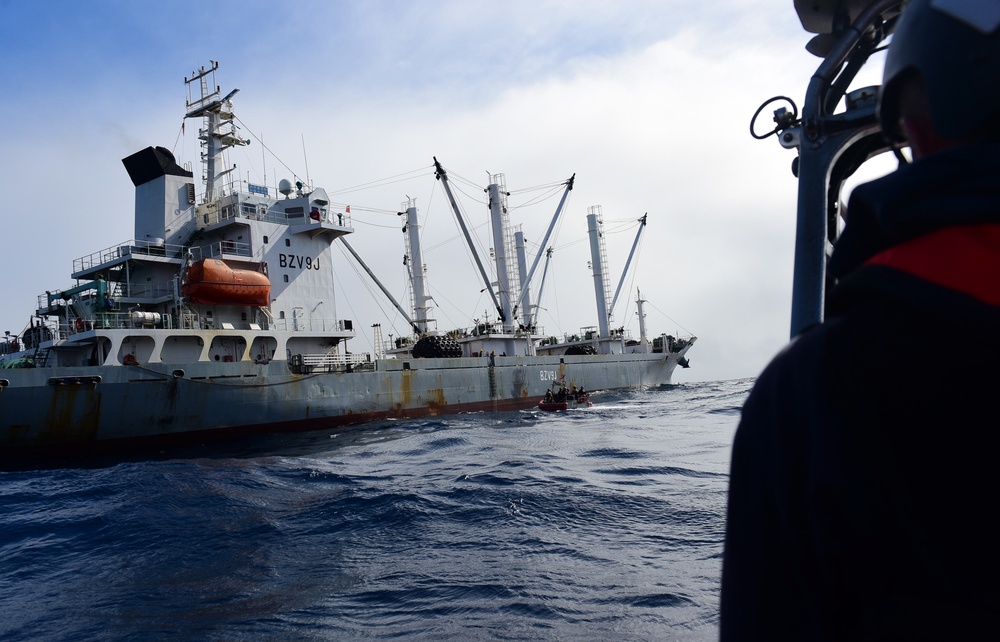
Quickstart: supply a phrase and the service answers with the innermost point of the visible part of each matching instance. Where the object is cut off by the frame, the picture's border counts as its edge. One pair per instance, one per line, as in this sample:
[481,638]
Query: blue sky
[647,102]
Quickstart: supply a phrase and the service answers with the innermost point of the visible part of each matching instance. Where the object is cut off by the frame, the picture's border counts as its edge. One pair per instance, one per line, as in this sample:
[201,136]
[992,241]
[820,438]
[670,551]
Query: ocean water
[597,524]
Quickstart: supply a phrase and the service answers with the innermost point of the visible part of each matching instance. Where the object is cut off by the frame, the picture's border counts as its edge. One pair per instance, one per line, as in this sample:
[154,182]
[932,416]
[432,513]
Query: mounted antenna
[220,132]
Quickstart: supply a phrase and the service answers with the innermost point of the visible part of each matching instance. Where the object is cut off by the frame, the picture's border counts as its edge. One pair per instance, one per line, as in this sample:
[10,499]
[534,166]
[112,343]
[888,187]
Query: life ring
[79,324]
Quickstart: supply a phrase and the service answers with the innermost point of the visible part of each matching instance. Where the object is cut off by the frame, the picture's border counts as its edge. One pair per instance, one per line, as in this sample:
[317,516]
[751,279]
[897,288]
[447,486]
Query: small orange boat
[212,282]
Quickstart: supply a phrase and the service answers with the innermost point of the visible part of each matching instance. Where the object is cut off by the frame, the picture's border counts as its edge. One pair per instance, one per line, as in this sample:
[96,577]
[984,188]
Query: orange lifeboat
[212,282]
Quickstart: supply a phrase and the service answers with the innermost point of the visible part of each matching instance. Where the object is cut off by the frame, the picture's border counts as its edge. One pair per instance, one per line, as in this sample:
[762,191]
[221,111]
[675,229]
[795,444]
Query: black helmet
[954,45]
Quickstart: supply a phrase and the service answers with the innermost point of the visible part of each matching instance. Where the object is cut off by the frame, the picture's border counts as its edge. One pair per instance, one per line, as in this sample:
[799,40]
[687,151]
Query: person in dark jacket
[863,485]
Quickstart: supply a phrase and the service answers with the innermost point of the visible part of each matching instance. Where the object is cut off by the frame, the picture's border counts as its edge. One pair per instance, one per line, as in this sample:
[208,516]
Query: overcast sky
[647,102]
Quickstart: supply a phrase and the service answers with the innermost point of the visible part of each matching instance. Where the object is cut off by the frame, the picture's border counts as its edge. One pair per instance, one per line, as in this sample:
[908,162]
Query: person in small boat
[863,475]
[548,396]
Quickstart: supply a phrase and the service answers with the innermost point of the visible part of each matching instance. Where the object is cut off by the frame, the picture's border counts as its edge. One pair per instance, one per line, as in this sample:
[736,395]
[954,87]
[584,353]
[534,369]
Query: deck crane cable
[437,293]
[476,238]
[392,317]
[390,180]
[668,318]
[269,151]
[453,238]
[465,181]
[180,130]
[553,190]
[388,227]
[469,183]
[546,186]
[415,173]
[535,201]
[633,277]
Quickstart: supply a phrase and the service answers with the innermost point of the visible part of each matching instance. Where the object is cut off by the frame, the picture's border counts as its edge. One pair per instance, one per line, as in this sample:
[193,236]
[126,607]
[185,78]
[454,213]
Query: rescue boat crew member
[863,470]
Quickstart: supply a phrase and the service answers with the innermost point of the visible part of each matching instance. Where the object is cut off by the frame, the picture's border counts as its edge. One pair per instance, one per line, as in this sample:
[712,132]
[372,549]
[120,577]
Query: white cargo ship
[206,325]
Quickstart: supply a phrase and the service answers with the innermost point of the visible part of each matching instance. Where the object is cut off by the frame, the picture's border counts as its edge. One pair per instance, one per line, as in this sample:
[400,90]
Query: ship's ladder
[379,346]
[411,291]
[41,356]
[267,315]
[602,249]
[493,381]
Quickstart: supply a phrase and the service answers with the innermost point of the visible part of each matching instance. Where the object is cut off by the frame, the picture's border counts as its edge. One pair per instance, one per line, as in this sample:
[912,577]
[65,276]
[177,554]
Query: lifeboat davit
[212,282]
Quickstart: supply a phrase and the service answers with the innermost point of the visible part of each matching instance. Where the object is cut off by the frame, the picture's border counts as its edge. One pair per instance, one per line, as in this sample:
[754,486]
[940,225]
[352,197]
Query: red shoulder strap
[964,258]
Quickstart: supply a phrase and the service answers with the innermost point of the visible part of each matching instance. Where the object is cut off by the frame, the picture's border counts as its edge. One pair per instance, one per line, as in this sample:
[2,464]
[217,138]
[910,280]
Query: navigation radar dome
[285,186]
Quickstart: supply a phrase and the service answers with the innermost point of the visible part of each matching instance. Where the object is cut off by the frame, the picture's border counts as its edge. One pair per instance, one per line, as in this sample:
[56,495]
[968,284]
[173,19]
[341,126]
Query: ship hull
[49,409]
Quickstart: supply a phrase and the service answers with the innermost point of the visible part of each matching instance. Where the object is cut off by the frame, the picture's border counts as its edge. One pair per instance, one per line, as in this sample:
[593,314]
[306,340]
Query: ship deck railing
[50,303]
[126,249]
[326,359]
[144,290]
[253,212]
[129,319]
[115,321]
[313,325]
[10,346]
[483,330]
[586,335]
[329,362]
[223,249]
[670,343]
